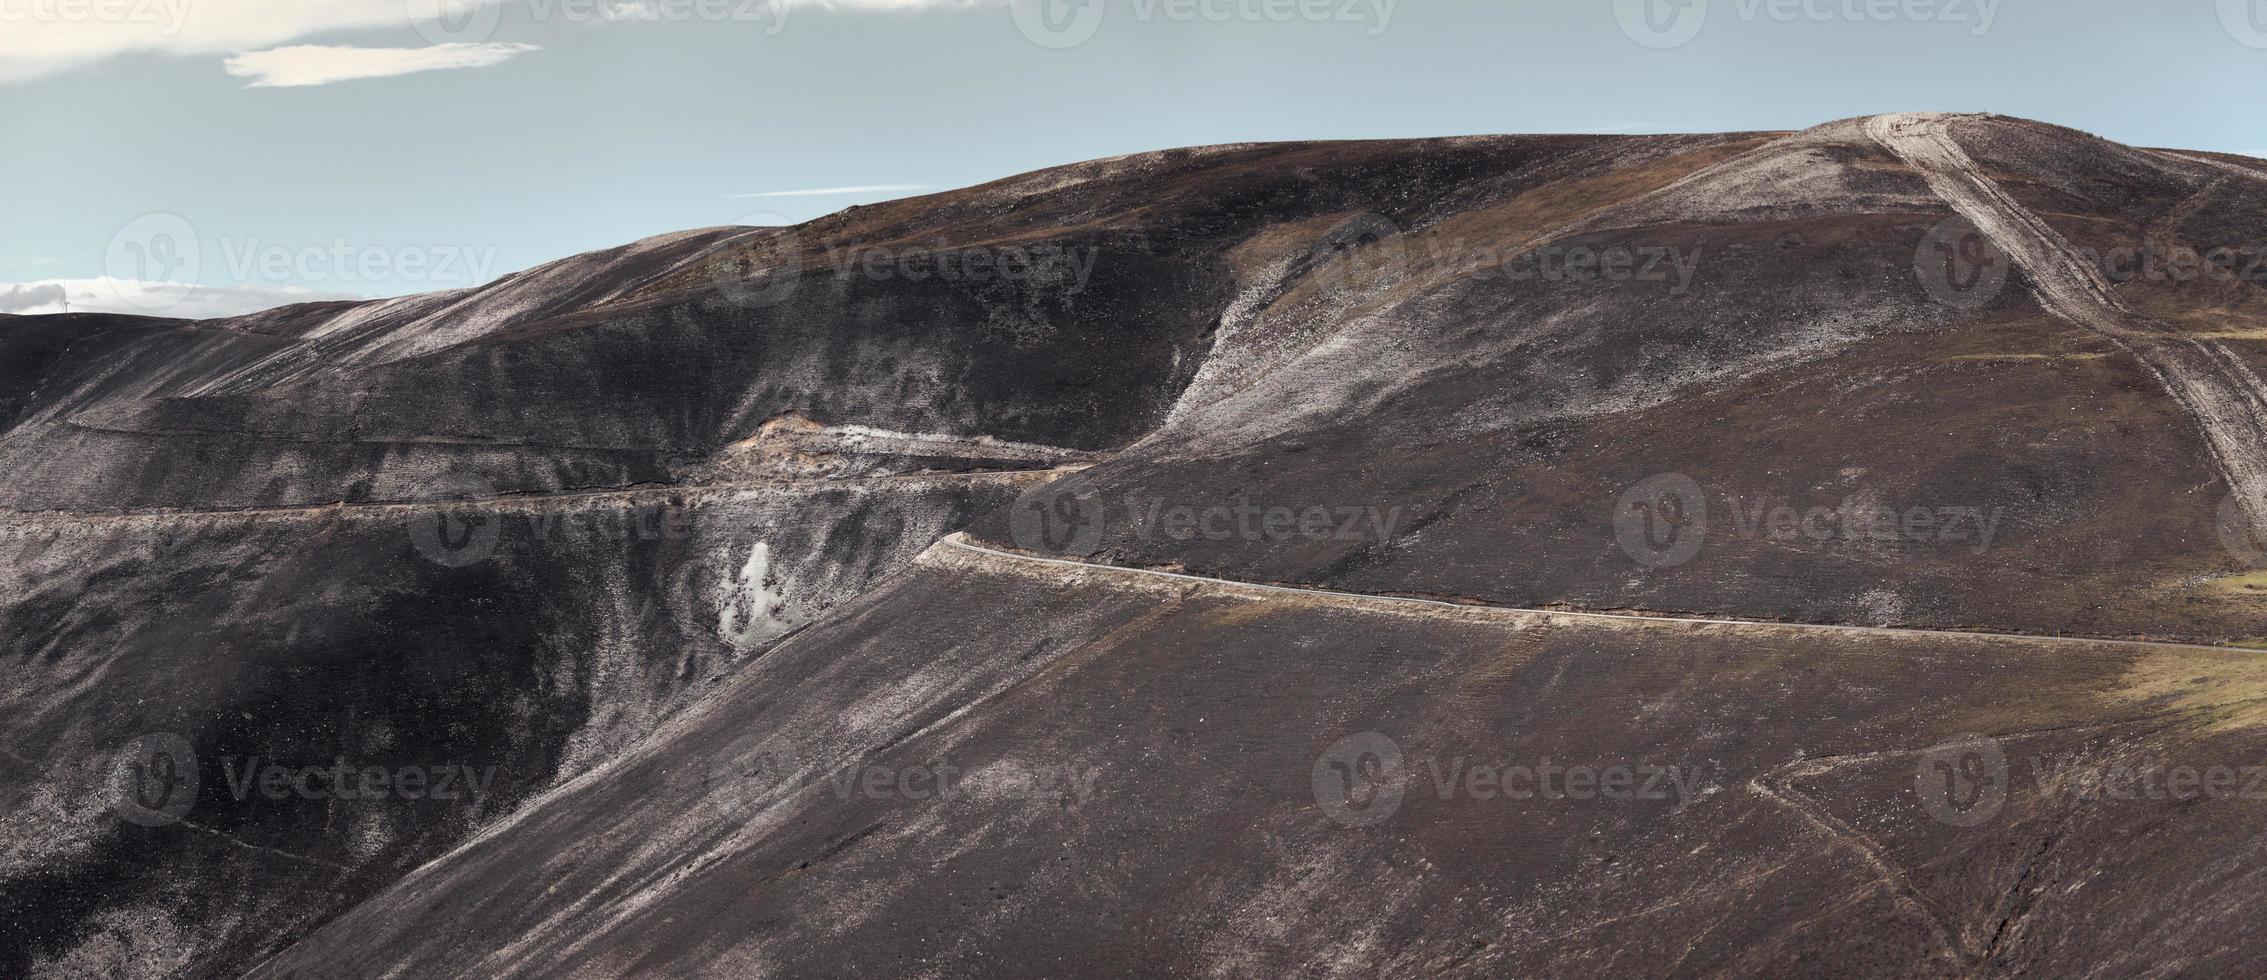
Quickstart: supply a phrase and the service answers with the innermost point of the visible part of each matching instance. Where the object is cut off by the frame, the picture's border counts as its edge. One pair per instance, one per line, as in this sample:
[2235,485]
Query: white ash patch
[750,607]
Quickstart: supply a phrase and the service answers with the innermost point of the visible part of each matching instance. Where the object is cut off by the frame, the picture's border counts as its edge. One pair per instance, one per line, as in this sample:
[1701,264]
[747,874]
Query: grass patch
[2229,689]
[2244,584]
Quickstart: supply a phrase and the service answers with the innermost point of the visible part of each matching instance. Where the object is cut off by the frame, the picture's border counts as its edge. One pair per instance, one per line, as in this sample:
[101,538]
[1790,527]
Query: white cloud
[39,37]
[831,191]
[36,297]
[108,295]
[315,64]
[43,36]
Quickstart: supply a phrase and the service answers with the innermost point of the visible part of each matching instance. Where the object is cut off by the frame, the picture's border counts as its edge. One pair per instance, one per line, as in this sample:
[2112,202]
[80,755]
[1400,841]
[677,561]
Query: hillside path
[2228,400]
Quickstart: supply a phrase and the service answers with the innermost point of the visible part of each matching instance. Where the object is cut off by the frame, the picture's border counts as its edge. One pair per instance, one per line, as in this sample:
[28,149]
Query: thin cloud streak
[315,64]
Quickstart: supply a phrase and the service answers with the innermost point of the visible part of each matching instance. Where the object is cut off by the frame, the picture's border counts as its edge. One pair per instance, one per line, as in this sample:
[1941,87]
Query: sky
[210,157]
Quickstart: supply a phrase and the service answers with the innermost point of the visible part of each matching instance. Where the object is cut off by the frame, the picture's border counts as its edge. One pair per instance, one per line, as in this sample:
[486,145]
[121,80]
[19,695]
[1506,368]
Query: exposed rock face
[1247,441]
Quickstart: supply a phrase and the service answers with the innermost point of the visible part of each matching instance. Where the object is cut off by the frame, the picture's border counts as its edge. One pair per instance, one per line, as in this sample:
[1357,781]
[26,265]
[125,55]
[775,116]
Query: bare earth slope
[1749,554]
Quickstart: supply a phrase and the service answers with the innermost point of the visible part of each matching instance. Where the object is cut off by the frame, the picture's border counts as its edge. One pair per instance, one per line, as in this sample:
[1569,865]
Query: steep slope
[1149,786]
[2228,402]
[1820,377]
[1301,482]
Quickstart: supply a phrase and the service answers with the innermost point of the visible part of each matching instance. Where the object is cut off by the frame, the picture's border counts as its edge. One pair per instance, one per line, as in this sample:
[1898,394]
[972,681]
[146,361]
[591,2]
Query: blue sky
[278,149]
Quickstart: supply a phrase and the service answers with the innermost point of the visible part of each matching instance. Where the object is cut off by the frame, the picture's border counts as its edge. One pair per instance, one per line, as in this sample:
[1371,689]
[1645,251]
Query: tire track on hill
[960,541]
[2228,400]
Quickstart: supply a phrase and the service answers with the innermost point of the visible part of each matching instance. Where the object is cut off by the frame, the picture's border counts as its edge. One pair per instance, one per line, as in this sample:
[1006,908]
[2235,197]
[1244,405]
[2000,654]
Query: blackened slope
[309,639]
[500,389]
[2227,401]
[1151,759]
[1497,424]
